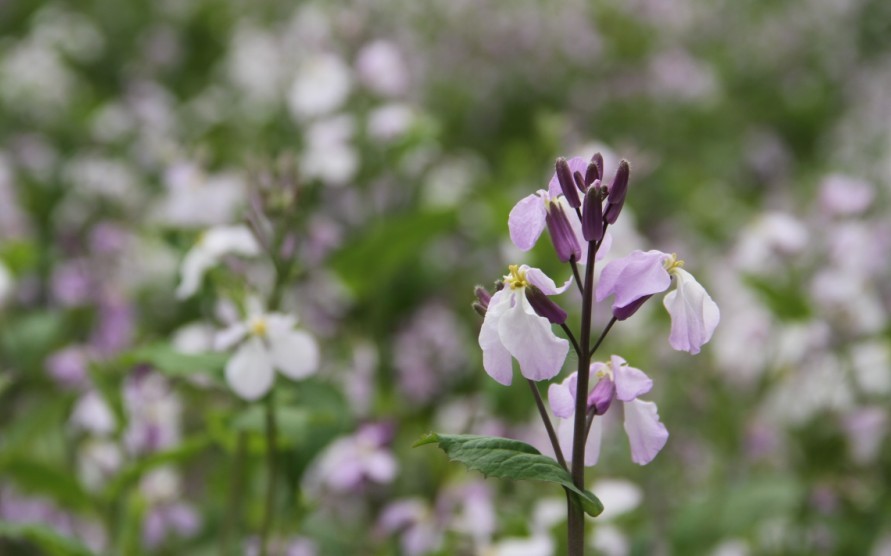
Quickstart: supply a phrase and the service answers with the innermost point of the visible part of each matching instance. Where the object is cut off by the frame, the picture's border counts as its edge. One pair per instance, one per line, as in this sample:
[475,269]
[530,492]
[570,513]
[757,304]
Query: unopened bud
[483,295]
[602,395]
[478,307]
[591,174]
[580,181]
[597,160]
[617,191]
[622,313]
[564,176]
[544,306]
[562,236]
[592,215]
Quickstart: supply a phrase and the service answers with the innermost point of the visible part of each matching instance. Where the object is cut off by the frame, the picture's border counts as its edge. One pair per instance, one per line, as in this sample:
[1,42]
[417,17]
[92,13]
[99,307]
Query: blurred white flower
[92,414]
[844,195]
[321,86]
[255,64]
[268,341]
[390,121]
[97,461]
[769,239]
[381,68]
[212,246]
[194,199]
[329,155]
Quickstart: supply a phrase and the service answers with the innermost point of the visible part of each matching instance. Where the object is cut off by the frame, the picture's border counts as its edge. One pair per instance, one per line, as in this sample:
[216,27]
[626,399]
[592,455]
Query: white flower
[267,342]
[694,316]
[321,86]
[213,245]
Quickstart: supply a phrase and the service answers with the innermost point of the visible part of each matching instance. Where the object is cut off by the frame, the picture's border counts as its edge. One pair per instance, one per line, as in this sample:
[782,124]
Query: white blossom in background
[195,199]
[329,155]
[211,247]
[390,121]
[266,342]
[381,68]
[322,85]
[255,64]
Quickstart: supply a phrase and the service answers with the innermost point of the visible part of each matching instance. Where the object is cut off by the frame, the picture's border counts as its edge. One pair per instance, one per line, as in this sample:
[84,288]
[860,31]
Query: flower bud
[562,235]
[592,215]
[567,184]
[602,395]
[622,313]
[481,305]
[597,160]
[591,174]
[580,181]
[544,306]
[617,191]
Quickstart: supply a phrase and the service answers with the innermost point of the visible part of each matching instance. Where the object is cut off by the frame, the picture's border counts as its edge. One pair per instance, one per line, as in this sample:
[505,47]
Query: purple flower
[632,279]
[646,434]
[350,462]
[512,328]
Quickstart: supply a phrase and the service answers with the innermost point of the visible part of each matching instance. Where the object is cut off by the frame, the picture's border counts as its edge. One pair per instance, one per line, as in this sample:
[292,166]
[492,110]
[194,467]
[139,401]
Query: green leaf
[34,476]
[509,459]
[174,363]
[49,541]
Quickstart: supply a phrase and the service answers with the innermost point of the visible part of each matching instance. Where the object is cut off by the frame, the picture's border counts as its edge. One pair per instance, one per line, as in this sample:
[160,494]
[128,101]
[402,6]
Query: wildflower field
[434,278]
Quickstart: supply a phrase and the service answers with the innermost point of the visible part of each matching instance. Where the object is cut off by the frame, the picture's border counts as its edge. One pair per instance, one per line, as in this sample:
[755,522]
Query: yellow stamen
[257,326]
[517,278]
[672,263]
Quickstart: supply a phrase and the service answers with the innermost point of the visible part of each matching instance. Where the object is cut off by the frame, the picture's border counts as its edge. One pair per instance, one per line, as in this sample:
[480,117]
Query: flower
[634,278]
[529,217]
[512,328]
[272,343]
[646,434]
[351,462]
[213,245]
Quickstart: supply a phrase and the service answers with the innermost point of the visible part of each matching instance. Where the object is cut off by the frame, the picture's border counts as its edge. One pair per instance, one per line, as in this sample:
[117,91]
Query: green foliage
[49,541]
[509,459]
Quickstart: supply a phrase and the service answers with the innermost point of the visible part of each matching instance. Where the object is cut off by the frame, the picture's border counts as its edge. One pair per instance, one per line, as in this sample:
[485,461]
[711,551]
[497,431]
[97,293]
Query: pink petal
[530,339]
[694,315]
[592,447]
[561,397]
[630,382]
[496,358]
[633,277]
[543,282]
[526,221]
[646,434]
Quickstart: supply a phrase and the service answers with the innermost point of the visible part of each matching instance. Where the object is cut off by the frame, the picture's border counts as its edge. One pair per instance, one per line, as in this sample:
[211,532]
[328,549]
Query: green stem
[269,512]
[236,487]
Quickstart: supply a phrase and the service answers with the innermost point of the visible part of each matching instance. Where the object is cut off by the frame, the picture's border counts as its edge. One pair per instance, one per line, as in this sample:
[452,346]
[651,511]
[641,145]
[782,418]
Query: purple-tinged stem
[552,434]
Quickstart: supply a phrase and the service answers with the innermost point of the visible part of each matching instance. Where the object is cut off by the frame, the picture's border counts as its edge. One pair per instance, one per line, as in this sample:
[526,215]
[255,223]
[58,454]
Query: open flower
[213,245]
[512,328]
[634,278]
[266,342]
[646,434]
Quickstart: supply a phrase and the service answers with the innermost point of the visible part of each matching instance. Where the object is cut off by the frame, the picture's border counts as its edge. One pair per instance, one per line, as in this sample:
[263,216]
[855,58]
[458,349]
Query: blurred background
[759,135]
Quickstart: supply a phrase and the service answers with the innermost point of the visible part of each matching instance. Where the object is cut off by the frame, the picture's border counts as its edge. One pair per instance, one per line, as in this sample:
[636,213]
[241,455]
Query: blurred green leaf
[371,260]
[785,299]
[174,363]
[37,477]
[185,451]
[509,459]
[49,541]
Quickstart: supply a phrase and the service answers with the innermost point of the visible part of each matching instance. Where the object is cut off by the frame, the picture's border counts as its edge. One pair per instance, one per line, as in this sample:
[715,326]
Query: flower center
[517,278]
[257,327]
[672,263]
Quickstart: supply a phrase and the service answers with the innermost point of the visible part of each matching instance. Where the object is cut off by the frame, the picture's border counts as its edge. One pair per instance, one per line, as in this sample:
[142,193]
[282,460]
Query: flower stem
[602,336]
[576,531]
[575,344]
[552,435]
[269,512]
[236,486]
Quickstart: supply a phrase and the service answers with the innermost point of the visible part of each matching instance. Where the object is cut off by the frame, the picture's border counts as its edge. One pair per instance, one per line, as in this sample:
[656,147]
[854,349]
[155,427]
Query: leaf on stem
[509,459]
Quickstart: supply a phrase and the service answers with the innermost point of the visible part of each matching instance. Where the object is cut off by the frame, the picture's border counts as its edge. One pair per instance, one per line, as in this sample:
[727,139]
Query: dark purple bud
[482,295]
[562,236]
[602,395]
[612,212]
[543,305]
[567,184]
[499,285]
[619,187]
[597,160]
[580,181]
[591,174]
[592,216]
[622,313]
[478,307]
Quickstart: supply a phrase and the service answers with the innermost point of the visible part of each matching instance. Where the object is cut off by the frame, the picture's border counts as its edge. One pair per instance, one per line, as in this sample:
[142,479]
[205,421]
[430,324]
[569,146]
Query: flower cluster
[577,209]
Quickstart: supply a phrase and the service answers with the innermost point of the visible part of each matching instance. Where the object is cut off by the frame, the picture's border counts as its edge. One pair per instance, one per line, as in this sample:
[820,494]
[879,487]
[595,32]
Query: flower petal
[632,277]
[530,339]
[630,382]
[526,221]
[542,281]
[496,359]
[561,397]
[646,434]
[295,353]
[694,315]
[230,336]
[592,447]
[249,372]
[195,264]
